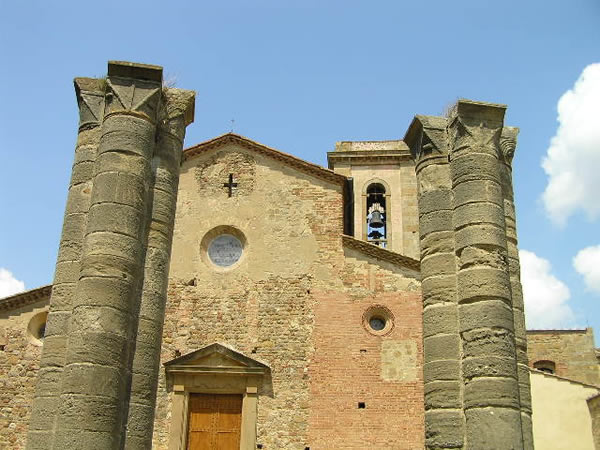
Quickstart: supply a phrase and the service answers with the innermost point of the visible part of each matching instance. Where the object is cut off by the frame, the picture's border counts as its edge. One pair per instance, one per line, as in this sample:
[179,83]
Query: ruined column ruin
[112,251]
[469,274]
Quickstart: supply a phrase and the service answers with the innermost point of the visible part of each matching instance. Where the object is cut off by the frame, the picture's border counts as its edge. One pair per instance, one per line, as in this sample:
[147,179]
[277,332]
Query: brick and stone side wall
[572,351]
[19,364]
[352,366]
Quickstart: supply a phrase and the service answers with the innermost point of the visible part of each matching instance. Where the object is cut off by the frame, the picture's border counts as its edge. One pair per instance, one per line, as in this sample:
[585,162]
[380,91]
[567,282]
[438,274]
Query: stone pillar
[131,196]
[96,377]
[508,143]
[178,112]
[90,99]
[444,417]
[486,324]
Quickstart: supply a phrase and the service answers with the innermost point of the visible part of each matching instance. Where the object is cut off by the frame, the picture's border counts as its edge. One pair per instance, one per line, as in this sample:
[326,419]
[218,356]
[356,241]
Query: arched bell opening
[376,215]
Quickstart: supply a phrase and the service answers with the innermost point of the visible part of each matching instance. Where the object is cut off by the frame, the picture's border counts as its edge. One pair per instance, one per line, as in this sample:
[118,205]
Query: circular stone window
[378,320]
[223,247]
[225,250]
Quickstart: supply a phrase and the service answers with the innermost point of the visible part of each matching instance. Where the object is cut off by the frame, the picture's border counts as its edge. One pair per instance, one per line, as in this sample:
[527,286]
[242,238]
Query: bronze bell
[376,220]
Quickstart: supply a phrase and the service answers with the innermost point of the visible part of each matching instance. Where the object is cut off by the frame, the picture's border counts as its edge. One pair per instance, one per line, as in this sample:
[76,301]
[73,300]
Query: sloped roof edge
[553,375]
[25,298]
[381,253]
[293,161]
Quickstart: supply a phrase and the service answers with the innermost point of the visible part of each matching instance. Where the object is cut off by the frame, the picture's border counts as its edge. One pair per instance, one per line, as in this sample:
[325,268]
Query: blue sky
[299,76]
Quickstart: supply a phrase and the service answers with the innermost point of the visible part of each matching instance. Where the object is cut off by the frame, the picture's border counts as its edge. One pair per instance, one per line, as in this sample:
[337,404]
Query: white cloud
[9,285]
[573,157]
[587,263]
[546,297]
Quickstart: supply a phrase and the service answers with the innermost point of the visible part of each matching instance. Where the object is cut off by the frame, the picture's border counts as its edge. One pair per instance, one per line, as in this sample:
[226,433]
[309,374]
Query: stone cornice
[25,298]
[381,253]
[297,163]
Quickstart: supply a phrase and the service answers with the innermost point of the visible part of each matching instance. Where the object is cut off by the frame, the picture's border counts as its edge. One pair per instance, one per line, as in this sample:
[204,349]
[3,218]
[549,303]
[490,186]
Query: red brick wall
[346,367]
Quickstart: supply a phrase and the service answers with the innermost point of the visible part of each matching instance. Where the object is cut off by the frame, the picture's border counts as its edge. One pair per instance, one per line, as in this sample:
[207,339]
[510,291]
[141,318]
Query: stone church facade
[235,296]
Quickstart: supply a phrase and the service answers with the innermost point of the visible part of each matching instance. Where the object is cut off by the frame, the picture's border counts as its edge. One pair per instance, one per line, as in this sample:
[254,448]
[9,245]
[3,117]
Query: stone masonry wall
[571,350]
[263,306]
[19,364]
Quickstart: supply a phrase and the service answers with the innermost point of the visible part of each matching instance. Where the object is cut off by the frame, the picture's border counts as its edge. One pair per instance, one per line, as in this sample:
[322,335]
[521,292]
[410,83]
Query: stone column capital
[90,99]
[475,127]
[508,143]
[426,138]
[180,102]
[133,89]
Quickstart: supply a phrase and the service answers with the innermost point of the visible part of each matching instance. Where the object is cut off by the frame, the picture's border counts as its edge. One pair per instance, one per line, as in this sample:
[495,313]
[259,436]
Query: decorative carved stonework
[465,136]
[90,98]
[126,94]
[426,137]
[508,143]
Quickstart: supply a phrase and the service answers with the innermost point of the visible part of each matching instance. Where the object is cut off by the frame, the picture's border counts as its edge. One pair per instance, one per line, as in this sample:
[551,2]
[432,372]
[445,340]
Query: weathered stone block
[111,292]
[485,314]
[483,283]
[488,342]
[482,235]
[120,187]
[442,370]
[98,348]
[441,347]
[438,319]
[439,264]
[478,191]
[99,265]
[488,366]
[439,289]
[116,218]
[433,201]
[124,162]
[91,319]
[444,429]
[93,380]
[474,167]
[491,391]
[66,272]
[494,429]
[439,242]
[78,200]
[483,257]
[435,221]
[476,213]
[443,394]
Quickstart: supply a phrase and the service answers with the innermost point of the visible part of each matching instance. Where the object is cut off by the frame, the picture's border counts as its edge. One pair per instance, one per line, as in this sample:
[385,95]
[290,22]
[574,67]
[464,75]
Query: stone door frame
[200,372]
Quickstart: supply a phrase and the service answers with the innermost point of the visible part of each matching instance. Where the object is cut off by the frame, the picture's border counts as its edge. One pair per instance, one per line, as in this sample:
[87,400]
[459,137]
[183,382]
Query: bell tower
[384,192]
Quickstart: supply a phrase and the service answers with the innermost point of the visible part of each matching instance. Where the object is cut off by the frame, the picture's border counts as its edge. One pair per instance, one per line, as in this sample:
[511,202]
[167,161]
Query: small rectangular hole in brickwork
[259,446]
[363,350]
[2,348]
[362,405]
[306,448]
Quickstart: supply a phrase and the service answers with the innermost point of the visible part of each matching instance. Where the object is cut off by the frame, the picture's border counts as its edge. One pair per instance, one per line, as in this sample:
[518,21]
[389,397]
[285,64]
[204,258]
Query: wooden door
[214,422]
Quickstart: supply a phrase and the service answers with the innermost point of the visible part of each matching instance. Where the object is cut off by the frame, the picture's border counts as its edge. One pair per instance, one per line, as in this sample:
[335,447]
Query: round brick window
[378,320]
